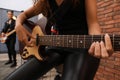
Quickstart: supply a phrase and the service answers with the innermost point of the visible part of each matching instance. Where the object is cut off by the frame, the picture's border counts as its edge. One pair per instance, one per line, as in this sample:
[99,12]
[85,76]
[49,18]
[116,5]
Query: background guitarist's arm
[5,28]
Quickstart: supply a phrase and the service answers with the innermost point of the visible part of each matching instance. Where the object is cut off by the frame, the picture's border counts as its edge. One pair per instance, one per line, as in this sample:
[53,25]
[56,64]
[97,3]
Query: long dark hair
[47,10]
[45,7]
[75,2]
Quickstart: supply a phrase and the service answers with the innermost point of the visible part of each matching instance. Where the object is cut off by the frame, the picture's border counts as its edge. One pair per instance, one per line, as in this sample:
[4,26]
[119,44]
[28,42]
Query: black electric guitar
[71,41]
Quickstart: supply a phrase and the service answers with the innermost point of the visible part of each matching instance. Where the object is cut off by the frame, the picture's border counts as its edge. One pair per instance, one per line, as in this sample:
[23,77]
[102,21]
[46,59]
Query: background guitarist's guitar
[4,38]
[71,41]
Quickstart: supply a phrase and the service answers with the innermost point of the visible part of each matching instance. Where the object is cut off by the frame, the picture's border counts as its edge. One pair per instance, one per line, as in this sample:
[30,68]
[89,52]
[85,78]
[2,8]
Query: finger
[25,41]
[91,49]
[104,53]
[97,52]
[29,34]
[22,37]
[19,36]
[32,42]
[108,44]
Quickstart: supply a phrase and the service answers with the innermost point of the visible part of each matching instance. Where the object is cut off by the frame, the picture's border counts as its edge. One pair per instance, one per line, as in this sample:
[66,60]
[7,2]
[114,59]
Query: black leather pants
[78,65]
[10,43]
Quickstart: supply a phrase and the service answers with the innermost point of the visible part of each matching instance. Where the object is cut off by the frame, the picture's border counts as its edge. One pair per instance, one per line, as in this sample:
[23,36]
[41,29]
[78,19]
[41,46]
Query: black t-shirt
[9,27]
[73,21]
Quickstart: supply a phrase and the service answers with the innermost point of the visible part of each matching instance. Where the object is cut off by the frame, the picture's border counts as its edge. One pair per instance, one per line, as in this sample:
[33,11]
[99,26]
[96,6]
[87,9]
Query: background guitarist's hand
[23,34]
[102,49]
[2,34]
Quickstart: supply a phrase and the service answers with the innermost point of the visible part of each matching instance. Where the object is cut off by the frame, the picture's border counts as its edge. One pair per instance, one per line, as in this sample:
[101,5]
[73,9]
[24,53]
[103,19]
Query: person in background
[79,19]
[11,40]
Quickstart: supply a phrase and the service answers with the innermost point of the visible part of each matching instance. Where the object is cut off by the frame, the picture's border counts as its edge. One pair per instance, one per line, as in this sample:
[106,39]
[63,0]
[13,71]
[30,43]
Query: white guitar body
[3,39]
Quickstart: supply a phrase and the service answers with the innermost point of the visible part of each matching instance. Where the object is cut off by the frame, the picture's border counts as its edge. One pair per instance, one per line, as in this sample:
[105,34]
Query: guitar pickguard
[33,51]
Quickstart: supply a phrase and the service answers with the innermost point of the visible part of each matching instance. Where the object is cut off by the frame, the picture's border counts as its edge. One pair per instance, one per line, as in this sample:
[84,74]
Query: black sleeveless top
[73,22]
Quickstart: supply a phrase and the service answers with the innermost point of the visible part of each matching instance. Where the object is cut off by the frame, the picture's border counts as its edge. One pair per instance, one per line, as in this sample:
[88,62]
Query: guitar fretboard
[76,41]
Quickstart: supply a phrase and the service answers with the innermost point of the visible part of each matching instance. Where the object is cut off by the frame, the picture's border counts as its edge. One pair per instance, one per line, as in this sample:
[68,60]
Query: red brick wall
[109,19]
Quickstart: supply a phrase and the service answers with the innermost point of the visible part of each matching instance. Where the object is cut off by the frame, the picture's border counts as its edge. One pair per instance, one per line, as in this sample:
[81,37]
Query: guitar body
[3,39]
[27,52]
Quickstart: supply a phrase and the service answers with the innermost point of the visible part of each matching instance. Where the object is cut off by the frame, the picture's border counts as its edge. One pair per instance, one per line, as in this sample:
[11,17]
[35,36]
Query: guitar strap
[57,13]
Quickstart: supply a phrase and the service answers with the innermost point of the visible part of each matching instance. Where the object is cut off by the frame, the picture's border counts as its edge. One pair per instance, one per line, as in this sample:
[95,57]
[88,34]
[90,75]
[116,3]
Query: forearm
[21,18]
[94,29]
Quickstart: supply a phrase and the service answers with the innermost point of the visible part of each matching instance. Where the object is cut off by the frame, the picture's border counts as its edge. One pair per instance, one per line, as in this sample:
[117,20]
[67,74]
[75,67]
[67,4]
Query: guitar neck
[76,41]
[8,34]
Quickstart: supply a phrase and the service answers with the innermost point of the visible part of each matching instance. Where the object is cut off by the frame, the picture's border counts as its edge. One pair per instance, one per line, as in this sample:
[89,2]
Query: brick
[107,3]
[110,14]
[110,22]
[101,16]
[117,21]
[106,19]
[117,67]
[110,30]
[117,8]
[102,23]
[117,63]
[106,11]
[99,74]
[117,59]
[100,9]
[117,54]
[110,6]
[117,25]
[111,70]
[108,64]
[116,13]
[108,26]
[106,73]
[101,78]
[116,17]
[111,58]
[100,3]
[117,77]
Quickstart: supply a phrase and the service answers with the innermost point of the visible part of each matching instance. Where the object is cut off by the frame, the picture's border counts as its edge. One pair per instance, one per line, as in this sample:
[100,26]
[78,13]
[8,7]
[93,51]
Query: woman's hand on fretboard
[102,49]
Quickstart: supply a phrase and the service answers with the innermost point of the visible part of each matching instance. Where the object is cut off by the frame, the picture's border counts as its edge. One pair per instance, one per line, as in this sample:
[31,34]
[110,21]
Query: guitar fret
[75,41]
[63,41]
[77,38]
[72,41]
[59,42]
[80,40]
[54,40]
[84,41]
[88,41]
[92,38]
[69,41]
